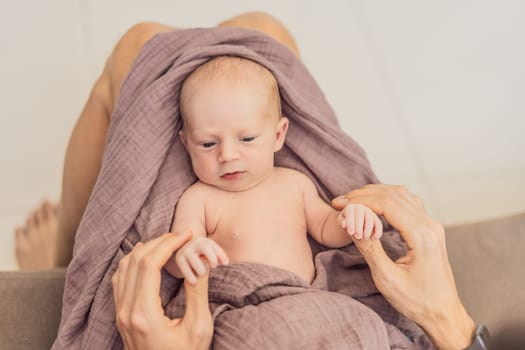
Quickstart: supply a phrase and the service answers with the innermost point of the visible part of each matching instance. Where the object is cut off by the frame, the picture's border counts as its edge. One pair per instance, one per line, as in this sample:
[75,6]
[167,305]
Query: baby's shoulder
[197,191]
[294,176]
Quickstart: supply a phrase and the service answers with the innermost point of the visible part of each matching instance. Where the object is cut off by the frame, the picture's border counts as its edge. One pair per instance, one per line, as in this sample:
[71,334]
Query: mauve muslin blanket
[145,170]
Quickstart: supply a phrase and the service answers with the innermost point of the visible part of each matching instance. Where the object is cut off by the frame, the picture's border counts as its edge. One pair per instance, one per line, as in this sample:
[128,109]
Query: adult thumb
[379,262]
[197,315]
[339,202]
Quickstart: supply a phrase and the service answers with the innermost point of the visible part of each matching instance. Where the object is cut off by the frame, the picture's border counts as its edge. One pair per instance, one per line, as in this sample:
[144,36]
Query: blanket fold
[144,172]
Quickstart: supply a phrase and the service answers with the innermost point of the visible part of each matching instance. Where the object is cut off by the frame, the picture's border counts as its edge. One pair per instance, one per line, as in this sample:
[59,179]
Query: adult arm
[420,285]
[140,317]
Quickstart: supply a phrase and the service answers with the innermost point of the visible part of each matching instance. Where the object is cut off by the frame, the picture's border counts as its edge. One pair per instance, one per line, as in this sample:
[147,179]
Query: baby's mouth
[232,175]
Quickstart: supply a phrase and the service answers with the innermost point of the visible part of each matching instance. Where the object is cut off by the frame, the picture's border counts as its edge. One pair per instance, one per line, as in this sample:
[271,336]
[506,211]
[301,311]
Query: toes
[30,222]
[20,238]
[41,215]
[47,209]
[19,232]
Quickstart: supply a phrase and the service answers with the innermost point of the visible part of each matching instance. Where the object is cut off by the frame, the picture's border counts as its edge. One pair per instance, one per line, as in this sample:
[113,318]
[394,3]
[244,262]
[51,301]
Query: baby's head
[232,122]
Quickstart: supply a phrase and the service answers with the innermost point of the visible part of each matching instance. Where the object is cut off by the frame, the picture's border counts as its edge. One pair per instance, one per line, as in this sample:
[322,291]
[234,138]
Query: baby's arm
[331,228]
[190,215]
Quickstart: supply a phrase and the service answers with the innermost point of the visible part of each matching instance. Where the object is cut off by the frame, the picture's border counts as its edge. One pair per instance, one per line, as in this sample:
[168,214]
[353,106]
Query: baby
[243,208]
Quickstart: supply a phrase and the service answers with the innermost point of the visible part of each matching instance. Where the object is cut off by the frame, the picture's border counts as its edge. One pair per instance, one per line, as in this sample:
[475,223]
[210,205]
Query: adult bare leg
[50,230]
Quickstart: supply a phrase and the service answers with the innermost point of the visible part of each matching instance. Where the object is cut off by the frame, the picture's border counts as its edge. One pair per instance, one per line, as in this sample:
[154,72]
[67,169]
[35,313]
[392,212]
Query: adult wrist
[451,331]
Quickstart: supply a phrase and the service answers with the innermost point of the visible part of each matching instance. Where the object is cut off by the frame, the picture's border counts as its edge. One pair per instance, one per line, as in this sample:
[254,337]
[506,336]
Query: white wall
[434,91]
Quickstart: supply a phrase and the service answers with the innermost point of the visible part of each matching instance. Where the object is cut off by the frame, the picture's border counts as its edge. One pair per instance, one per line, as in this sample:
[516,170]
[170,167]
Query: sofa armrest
[488,260]
[30,306]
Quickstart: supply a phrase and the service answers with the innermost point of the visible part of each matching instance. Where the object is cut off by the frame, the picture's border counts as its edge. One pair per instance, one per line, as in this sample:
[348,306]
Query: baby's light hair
[236,69]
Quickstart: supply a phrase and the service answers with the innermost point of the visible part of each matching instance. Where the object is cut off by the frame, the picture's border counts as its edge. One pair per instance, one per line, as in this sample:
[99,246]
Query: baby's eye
[248,139]
[208,144]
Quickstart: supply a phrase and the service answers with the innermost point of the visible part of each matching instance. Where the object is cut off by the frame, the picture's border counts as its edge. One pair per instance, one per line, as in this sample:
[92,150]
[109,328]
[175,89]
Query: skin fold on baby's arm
[335,229]
[190,260]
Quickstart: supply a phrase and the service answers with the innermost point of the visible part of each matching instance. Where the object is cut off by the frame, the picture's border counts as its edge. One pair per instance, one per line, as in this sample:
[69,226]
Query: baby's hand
[192,257]
[360,222]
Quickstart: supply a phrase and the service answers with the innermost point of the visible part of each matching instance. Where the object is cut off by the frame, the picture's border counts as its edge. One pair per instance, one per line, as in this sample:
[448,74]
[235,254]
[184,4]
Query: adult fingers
[166,244]
[379,191]
[388,193]
[158,251]
[148,260]
[197,317]
[393,203]
[129,278]
[121,309]
[381,266]
[115,286]
[121,274]
[162,248]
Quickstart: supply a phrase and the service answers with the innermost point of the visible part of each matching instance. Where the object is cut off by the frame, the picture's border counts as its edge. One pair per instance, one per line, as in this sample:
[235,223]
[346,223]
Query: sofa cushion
[30,306]
[488,260]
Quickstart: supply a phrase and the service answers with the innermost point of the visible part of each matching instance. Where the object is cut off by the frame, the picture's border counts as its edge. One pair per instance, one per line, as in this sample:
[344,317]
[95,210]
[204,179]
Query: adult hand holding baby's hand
[420,284]
[194,258]
[360,222]
[140,317]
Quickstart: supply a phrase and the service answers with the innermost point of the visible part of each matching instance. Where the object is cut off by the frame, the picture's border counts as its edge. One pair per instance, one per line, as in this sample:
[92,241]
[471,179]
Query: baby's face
[231,135]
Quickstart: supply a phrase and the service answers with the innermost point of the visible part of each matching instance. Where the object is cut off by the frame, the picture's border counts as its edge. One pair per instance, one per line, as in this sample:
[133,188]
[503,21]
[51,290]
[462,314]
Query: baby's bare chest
[260,216]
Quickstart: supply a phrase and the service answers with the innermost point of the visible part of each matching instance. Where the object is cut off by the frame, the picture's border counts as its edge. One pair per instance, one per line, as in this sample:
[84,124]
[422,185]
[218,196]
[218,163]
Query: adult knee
[121,59]
[138,34]
[265,23]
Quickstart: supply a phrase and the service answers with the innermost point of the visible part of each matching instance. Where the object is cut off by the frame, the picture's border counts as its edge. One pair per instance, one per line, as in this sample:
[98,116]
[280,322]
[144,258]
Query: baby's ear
[280,133]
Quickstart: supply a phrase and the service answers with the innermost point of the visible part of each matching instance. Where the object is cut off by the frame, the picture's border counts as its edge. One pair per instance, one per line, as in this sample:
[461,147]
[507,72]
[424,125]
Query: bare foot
[35,243]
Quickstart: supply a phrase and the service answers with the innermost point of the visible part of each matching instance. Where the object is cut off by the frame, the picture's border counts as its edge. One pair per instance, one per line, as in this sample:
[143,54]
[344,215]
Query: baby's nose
[228,152]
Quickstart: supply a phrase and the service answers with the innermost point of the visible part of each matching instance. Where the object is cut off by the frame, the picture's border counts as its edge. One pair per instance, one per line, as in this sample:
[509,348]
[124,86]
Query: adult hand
[140,317]
[420,285]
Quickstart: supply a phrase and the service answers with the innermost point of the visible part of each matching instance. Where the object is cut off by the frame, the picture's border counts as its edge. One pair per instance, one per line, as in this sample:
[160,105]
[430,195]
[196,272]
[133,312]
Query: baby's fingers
[378,228]
[349,217]
[186,270]
[197,264]
[221,254]
[341,220]
[369,224]
[209,252]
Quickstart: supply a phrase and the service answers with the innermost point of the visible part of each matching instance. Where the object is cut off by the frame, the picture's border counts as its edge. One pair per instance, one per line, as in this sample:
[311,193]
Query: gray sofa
[488,259]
